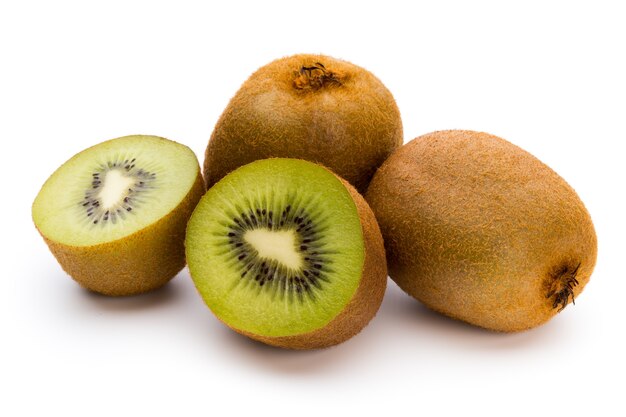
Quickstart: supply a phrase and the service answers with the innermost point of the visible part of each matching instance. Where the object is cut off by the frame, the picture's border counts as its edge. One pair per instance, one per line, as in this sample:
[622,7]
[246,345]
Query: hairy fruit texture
[310,107]
[482,231]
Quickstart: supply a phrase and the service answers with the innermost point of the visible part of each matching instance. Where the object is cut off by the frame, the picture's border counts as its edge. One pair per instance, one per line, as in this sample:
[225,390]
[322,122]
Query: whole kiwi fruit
[311,107]
[482,231]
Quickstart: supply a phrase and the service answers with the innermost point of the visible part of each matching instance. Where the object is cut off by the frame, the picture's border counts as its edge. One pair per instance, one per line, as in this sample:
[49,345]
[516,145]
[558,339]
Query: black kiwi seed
[272,274]
[91,200]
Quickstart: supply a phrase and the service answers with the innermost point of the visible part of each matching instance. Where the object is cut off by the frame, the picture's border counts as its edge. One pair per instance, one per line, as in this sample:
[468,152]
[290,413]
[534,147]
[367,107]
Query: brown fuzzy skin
[480,230]
[365,302]
[340,116]
[138,263]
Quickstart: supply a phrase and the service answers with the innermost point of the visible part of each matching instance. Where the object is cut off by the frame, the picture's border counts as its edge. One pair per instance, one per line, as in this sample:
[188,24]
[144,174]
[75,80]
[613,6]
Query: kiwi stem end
[315,77]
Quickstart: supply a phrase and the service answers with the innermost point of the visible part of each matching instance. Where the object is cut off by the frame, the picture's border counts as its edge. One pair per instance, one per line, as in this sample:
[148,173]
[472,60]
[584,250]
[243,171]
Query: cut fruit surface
[114,215]
[114,189]
[277,248]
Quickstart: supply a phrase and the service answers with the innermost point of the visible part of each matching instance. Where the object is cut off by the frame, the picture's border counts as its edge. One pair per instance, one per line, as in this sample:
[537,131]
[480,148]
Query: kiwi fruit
[287,253]
[114,215]
[311,107]
[482,231]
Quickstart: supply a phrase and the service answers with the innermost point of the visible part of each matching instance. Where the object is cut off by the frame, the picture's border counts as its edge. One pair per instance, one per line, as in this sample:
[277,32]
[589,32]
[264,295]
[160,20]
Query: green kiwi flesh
[482,231]
[311,107]
[281,249]
[114,215]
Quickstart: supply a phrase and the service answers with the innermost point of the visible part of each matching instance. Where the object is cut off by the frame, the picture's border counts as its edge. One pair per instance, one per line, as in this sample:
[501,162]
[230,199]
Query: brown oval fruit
[311,107]
[482,231]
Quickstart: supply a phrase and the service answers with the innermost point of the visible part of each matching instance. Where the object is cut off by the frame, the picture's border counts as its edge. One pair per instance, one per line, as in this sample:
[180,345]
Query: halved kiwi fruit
[481,230]
[286,252]
[114,215]
[311,107]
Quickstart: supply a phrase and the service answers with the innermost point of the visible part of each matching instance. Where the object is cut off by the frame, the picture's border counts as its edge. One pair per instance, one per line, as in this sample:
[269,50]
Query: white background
[549,77]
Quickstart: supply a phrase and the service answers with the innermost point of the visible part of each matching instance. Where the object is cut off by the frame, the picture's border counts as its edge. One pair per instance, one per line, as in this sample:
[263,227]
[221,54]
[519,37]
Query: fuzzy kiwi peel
[311,107]
[482,231]
[287,253]
[114,215]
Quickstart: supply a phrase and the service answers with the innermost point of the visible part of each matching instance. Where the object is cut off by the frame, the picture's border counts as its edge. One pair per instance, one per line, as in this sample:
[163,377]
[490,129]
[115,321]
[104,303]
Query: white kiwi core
[115,188]
[277,245]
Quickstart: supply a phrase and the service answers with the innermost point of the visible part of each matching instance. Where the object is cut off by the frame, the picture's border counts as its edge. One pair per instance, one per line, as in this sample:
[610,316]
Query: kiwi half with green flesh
[482,231]
[311,107]
[287,253]
[114,215]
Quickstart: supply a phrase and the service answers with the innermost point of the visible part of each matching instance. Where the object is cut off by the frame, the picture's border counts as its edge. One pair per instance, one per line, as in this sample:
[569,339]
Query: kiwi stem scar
[566,283]
[315,77]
